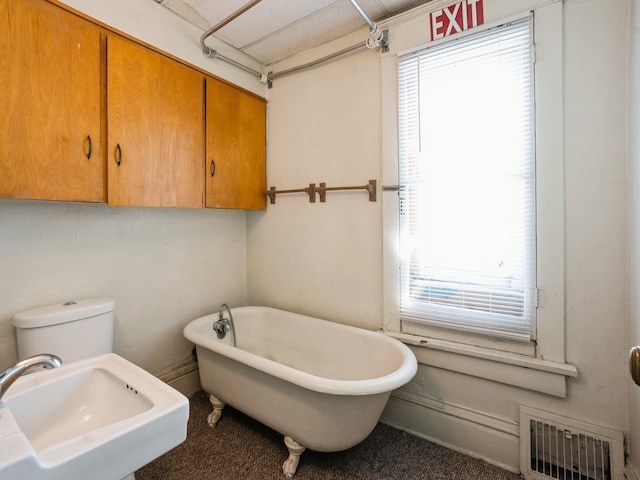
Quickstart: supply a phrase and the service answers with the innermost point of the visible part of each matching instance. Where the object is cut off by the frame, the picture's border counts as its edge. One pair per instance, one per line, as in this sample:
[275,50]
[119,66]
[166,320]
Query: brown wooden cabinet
[89,115]
[50,104]
[236,148]
[156,128]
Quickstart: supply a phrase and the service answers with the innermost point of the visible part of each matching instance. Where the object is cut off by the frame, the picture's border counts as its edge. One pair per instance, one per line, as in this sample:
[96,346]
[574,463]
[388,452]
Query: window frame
[540,364]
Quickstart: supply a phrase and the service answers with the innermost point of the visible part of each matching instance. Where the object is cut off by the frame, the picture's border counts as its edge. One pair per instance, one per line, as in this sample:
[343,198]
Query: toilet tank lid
[63,312]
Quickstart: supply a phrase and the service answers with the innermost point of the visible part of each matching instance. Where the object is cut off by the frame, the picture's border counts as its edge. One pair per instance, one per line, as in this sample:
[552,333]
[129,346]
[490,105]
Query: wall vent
[557,447]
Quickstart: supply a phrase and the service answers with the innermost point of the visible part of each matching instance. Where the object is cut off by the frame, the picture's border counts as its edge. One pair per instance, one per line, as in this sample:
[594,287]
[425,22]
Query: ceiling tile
[276,29]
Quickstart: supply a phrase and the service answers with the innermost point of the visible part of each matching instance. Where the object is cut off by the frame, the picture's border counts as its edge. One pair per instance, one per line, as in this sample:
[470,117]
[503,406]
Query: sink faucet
[223,325]
[11,374]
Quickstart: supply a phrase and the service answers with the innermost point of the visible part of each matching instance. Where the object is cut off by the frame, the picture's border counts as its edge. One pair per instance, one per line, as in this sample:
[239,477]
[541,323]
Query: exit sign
[456,18]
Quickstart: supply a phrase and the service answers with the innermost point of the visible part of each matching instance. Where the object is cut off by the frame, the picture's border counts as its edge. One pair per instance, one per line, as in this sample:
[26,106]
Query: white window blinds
[467,176]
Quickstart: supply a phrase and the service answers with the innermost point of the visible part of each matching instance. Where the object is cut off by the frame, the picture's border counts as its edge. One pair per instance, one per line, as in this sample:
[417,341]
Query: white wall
[597,276]
[163,267]
[634,217]
[324,259]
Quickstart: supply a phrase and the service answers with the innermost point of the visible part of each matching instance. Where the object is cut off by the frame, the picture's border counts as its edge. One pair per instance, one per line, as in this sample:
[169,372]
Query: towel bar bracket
[322,189]
[310,190]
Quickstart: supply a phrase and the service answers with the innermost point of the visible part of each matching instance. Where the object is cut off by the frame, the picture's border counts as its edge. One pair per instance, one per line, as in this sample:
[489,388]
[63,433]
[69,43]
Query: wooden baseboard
[474,433]
[184,377]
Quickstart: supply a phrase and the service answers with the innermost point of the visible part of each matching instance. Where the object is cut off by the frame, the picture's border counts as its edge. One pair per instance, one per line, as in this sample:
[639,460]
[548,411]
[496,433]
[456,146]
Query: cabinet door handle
[213,168]
[118,155]
[89,147]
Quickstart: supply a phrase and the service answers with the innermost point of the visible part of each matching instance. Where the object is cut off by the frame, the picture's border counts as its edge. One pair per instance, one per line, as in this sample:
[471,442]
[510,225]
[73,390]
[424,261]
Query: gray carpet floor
[241,448]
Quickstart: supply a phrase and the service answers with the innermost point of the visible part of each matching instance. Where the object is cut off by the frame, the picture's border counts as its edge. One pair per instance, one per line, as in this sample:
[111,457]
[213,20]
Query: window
[467,171]
[539,364]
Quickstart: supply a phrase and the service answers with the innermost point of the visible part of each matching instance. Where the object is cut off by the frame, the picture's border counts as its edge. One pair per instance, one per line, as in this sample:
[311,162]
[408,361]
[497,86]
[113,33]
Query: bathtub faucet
[224,325]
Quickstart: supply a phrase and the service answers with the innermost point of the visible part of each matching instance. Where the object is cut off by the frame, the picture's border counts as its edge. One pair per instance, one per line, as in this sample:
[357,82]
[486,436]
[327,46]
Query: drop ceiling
[274,30]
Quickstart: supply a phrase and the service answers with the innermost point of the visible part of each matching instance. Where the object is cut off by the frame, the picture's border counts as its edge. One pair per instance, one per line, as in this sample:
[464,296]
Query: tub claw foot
[214,416]
[291,464]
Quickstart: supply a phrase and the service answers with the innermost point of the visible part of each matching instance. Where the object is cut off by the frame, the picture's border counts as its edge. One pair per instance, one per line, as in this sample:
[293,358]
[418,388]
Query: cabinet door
[236,157]
[50,115]
[156,129]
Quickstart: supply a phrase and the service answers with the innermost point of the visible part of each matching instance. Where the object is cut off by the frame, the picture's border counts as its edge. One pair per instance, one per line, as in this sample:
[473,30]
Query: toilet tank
[73,330]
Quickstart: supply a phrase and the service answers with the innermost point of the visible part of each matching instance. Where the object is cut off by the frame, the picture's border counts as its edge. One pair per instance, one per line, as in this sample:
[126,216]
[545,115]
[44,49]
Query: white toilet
[73,330]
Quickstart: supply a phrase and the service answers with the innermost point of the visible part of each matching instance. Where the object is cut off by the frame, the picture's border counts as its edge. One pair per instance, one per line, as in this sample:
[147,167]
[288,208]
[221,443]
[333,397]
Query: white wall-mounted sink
[101,418]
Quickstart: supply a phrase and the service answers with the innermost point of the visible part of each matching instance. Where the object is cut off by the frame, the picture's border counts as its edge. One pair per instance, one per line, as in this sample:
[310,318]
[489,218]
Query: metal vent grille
[563,454]
[560,448]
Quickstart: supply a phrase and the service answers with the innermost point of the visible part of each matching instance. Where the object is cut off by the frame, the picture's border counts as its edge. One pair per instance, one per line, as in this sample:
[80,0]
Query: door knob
[634,364]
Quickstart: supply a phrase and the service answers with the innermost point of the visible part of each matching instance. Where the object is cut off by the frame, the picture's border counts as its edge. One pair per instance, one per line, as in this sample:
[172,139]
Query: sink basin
[100,418]
[84,401]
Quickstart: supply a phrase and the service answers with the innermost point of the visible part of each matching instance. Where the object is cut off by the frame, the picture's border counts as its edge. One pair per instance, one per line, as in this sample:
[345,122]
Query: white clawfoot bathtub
[321,384]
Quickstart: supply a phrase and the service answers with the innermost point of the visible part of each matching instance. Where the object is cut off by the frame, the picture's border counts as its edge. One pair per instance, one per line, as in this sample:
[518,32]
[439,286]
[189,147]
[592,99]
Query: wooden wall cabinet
[236,148]
[88,115]
[156,129]
[50,104]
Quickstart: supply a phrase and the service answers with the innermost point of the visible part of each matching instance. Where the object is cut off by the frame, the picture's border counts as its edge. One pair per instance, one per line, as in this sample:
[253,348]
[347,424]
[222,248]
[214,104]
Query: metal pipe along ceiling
[211,53]
[378,39]
[227,20]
